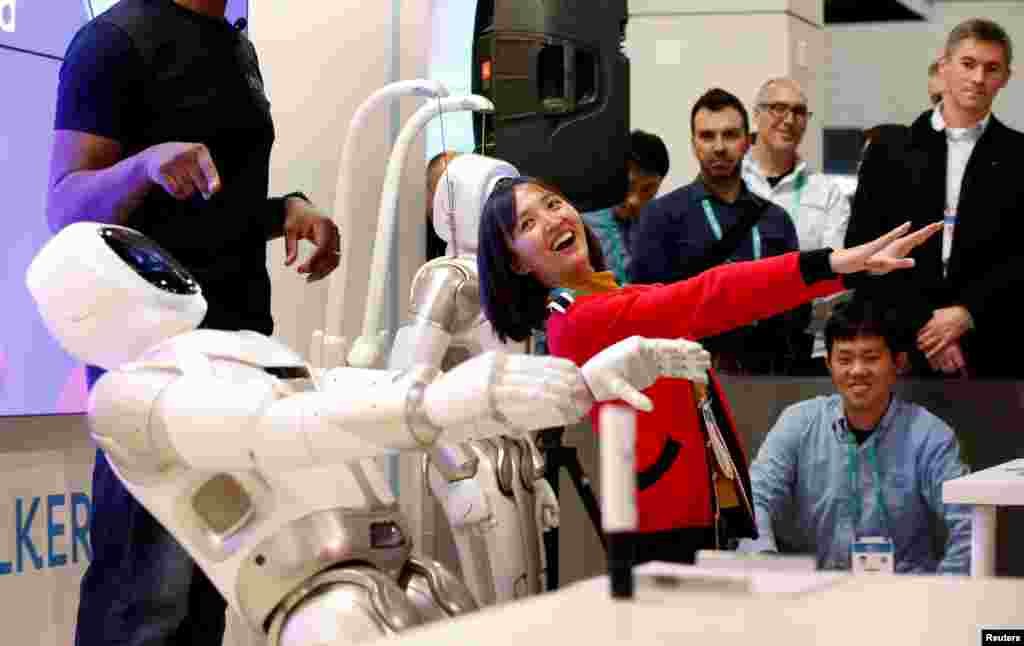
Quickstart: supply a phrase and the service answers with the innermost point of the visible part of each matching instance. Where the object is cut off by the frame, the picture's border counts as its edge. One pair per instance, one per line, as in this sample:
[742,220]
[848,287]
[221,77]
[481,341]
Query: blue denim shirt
[804,499]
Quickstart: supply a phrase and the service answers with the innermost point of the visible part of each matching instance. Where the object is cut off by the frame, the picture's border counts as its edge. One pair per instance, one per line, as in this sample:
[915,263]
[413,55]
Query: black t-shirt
[149,72]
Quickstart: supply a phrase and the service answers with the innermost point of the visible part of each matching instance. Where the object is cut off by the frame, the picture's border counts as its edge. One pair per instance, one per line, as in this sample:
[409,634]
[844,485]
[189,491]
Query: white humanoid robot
[493,491]
[255,465]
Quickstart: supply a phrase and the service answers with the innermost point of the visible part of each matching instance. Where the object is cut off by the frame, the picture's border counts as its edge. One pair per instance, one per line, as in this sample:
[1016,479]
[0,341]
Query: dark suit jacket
[903,177]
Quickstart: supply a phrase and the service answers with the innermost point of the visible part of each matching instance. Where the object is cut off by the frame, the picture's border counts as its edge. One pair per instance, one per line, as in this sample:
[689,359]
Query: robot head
[460,196]
[108,293]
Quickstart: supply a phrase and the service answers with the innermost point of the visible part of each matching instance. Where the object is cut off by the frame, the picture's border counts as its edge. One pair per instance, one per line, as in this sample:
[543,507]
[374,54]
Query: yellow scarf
[596,282]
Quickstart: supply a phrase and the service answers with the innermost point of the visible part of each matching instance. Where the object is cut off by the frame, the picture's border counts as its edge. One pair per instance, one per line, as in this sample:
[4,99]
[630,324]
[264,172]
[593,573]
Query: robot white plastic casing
[225,439]
[83,290]
[216,433]
[466,184]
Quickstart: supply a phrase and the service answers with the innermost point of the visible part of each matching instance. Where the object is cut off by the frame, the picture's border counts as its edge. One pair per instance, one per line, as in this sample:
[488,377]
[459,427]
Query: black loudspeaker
[559,80]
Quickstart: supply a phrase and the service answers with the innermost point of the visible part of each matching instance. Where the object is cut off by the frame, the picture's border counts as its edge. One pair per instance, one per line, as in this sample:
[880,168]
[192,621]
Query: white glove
[522,392]
[621,371]
[546,509]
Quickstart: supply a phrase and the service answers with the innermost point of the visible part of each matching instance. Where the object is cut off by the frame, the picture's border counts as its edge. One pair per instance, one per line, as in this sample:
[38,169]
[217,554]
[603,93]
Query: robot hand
[621,371]
[545,505]
[521,392]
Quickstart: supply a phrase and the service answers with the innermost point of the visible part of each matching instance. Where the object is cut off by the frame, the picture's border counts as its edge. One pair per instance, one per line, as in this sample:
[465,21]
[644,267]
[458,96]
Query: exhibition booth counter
[709,607]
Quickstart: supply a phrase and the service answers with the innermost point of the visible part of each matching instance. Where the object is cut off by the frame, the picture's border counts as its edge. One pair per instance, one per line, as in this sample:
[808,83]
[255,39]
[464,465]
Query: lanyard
[716,228]
[798,192]
[856,500]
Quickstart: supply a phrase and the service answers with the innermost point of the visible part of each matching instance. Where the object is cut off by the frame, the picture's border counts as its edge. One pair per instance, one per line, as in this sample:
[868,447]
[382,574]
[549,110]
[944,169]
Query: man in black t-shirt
[162,125]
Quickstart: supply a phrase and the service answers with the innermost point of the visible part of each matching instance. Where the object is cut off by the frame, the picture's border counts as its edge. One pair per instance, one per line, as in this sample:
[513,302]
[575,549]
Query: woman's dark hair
[514,303]
[860,317]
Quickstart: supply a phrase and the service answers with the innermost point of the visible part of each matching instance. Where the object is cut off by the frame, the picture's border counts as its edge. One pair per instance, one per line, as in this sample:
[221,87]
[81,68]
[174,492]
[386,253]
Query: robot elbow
[122,423]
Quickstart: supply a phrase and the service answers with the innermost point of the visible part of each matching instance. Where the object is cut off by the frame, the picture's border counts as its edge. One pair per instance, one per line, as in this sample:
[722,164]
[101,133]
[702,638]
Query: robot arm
[622,370]
[444,298]
[150,418]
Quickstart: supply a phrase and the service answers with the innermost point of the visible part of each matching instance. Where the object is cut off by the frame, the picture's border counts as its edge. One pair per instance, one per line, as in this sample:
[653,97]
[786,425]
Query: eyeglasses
[780,110]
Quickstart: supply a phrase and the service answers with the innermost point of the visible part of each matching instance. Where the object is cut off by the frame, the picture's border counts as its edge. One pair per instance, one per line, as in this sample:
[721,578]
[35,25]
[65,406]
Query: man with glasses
[960,165]
[820,211]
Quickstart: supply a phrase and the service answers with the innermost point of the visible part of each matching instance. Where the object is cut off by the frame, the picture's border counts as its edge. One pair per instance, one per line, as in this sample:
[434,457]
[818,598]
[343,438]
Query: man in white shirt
[774,170]
[959,164]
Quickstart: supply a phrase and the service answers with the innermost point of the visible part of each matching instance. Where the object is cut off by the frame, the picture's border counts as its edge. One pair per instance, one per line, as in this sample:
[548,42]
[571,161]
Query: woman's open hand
[884,254]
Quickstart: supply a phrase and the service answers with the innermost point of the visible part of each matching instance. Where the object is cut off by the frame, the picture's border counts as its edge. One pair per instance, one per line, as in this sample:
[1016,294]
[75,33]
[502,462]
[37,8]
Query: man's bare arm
[91,180]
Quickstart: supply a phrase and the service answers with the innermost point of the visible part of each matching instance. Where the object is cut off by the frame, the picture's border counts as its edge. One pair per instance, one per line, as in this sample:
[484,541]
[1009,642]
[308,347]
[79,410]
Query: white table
[986,490]
[843,610]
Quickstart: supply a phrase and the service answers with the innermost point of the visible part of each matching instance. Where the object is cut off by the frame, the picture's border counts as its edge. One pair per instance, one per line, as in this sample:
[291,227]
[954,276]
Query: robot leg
[516,477]
[488,526]
[347,605]
[434,590]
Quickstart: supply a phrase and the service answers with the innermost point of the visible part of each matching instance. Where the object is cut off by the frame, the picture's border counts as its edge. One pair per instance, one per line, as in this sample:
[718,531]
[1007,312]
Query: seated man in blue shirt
[861,463]
[714,220]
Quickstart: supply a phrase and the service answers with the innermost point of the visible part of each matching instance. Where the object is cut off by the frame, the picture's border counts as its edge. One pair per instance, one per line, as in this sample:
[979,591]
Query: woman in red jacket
[692,473]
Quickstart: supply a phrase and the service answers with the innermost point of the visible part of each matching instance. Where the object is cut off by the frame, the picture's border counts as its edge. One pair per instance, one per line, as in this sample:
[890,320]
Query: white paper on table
[659,580]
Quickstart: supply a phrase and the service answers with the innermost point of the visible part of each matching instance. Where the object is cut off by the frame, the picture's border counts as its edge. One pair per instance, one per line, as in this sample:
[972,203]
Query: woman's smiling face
[548,240]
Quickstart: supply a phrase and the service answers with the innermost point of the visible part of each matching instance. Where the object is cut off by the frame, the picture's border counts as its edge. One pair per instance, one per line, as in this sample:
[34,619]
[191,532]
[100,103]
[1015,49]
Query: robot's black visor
[149,260]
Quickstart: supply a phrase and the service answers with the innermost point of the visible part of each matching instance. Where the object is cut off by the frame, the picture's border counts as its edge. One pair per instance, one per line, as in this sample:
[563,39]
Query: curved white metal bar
[367,351]
[346,177]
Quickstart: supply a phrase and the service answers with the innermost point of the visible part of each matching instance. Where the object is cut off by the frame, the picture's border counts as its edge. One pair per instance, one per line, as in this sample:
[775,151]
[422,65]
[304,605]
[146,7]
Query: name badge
[948,229]
[873,555]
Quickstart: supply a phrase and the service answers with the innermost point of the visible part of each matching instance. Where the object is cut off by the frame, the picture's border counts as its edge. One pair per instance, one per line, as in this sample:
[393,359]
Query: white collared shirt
[960,143]
[823,213]
[820,218]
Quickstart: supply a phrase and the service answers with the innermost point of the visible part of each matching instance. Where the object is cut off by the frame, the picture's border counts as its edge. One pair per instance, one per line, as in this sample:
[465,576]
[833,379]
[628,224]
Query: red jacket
[716,301]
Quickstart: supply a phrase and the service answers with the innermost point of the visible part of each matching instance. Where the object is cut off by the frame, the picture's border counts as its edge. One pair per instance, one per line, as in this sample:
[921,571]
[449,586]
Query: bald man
[774,170]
